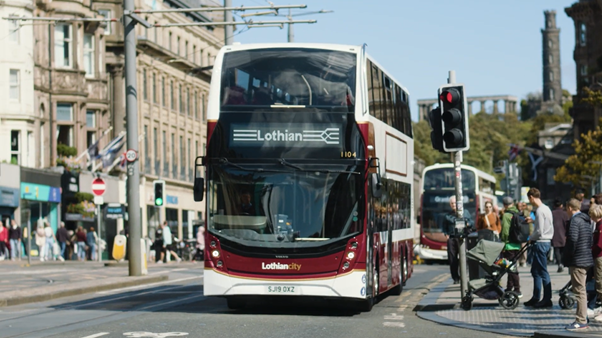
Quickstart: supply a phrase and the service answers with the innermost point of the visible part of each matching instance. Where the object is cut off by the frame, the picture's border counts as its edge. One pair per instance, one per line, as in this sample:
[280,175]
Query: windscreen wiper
[285,163]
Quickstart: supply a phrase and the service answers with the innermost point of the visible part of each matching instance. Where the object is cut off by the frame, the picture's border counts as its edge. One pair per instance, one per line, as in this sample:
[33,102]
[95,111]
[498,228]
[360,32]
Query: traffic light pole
[133,168]
[460,223]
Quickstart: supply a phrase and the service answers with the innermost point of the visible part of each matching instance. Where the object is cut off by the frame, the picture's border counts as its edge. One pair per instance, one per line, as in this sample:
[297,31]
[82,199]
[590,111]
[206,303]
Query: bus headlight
[350,255]
[212,244]
[346,265]
[215,254]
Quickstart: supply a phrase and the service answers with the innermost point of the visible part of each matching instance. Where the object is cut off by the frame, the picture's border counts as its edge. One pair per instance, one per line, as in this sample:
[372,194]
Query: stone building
[173,88]
[587,16]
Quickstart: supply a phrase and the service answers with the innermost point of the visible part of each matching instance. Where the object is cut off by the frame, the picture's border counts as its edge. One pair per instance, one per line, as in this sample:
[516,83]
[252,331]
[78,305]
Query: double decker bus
[308,175]
[438,185]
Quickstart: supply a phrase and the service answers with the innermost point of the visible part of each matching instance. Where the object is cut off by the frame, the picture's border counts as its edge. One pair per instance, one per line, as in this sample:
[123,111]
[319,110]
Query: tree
[422,144]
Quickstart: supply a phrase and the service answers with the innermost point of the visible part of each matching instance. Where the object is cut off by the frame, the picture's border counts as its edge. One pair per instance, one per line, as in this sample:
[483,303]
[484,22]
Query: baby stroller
[567,299]
[487,253]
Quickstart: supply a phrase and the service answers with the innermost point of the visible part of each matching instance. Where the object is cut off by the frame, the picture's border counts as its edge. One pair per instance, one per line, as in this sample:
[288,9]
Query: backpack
[519,228]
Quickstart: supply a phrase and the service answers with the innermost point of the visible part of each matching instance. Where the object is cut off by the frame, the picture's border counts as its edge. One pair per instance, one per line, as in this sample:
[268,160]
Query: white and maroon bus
[308,175]
[438,185]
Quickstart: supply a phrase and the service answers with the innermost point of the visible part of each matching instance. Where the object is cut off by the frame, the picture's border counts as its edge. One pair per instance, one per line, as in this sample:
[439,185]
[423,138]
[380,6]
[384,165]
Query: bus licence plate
[282,289]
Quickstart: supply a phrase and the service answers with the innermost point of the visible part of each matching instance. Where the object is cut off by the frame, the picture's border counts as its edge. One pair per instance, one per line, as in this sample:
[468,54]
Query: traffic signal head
[436,131]
[159,189]
[454,118]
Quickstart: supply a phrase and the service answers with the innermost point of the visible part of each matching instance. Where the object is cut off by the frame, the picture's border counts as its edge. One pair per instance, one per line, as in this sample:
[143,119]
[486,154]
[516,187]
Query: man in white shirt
[540,238]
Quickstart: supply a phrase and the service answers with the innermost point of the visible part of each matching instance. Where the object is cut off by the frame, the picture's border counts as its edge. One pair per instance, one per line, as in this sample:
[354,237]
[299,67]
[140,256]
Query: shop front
[9,192]
[40,197]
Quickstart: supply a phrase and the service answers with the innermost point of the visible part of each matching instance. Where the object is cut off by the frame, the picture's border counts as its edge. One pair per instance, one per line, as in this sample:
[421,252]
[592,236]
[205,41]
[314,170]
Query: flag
[92,152]
[109,153]
[513,152]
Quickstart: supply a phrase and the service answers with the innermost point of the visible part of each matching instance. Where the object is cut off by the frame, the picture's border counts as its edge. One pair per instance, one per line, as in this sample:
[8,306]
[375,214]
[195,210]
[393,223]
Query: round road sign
[98,186]
[131,155]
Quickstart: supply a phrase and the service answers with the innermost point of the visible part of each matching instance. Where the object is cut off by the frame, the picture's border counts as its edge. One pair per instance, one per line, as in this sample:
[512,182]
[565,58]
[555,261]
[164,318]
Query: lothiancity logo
[279,266]
[327,136]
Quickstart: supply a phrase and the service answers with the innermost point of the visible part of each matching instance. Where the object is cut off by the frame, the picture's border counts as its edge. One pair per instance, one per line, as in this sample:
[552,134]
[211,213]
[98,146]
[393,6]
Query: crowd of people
[165,245]
[569,235]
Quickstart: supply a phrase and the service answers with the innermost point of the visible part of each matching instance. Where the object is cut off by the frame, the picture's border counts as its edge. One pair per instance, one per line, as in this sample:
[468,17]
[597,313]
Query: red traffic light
[450,96]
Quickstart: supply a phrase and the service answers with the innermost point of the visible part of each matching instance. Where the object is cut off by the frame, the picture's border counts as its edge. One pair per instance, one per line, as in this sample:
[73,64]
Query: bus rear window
[289,76]
[444,179]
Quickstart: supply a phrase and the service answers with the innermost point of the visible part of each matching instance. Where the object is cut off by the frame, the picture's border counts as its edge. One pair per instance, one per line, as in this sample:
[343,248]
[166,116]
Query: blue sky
[494,46]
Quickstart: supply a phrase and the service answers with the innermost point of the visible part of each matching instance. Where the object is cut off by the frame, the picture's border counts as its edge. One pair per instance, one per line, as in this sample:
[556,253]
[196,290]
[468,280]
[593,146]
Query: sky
[495,47]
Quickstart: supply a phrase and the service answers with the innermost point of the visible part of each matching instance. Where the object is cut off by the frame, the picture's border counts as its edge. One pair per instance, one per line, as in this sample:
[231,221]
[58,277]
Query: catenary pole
[229,30]
[133,168]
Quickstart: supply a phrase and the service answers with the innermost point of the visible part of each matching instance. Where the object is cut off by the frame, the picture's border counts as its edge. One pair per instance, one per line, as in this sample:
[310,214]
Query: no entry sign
[98,186]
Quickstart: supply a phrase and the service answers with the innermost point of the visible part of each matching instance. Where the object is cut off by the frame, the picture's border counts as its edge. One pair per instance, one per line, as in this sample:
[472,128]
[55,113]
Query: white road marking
[394,324]
[147,285]
[394,316]
[142,334]
[97,335]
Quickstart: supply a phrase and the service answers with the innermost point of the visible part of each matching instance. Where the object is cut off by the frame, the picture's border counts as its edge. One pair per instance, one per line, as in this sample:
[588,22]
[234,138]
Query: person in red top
[595,213]
[3,240]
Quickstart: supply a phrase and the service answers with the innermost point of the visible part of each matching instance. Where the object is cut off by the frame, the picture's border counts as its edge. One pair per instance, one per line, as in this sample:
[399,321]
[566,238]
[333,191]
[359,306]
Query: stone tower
[552,85]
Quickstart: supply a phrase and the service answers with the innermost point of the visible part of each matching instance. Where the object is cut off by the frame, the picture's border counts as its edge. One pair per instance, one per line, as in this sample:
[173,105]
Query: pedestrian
[511,249]
[81,243]
[578,257]
[453,242]
[540,238]
[585,203]
[522,209]
[168,243]
[490,220]
[3,240]
[49,243]
[92,239]
[560,218]
[158,245]
[14,236]
[62,236]
[40,239]
[595,213]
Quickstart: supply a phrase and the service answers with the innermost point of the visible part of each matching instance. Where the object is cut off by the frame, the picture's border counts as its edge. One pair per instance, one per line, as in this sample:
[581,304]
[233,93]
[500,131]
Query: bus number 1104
[347,154]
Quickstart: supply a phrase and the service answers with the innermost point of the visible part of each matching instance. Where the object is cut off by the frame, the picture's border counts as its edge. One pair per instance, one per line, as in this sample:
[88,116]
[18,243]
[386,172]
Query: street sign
[131,155]
[98,186]
[499,170]
[98,200]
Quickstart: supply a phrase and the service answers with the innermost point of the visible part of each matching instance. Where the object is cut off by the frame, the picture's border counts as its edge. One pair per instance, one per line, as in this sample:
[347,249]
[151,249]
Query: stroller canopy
[486,251]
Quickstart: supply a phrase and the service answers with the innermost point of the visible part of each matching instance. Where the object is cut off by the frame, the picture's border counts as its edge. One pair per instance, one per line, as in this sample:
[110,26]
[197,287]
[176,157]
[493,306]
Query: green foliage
[538,123]
[64,150]
[84,196]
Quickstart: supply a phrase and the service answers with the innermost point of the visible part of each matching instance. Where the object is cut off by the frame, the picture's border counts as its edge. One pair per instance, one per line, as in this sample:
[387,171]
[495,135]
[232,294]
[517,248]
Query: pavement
[442,305]
[21,283]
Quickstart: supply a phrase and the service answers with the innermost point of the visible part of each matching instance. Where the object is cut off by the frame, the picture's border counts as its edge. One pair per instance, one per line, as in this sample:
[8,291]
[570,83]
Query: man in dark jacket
[578,257]
[561,222]
[62,236]
[453,243]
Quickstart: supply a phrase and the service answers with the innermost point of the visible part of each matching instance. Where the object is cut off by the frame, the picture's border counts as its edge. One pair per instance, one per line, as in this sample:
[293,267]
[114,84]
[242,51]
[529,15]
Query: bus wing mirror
[198,189]
[374,162]
[376,185]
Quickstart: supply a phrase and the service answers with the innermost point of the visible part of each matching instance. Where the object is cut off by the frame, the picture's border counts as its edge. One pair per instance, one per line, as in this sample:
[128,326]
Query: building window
[146,150]
[155,145]
[13,31]
[171,96]
[186,50]
[550,176]
[108,15]
[64,112]
[90,119]
[203,114]
[90,138]
[145,29]
[188,110]
[14,87]
[583,70]
[164,146]
[63,46]
[178,45]
[170,41]
[189,156]
[15,147]
[550,43]
[582,34]
[193,58]
[173,154]
[144,90]
[89,54]
[182,157]
[551,76]
[549,144]
[180,99]
[551,94]
[163,91]
[196,105]
[155,36]
[154,89]
[204,147]
[551,58]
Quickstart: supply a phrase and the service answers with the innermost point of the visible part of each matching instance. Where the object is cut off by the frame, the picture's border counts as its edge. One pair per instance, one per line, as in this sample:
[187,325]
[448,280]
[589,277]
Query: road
[178,308]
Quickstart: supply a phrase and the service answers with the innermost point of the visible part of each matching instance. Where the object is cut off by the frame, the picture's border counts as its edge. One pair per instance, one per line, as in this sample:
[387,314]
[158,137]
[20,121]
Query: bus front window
[288,76]
[283,208]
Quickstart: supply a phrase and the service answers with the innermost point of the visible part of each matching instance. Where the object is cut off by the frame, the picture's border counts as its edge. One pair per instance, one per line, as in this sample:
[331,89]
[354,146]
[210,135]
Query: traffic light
[455,120]
[436,129]
[159,189]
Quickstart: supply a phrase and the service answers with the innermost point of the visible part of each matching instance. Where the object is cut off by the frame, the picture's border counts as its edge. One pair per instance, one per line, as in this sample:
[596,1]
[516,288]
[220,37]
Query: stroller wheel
[466,303]
[509,300]
[566,302]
